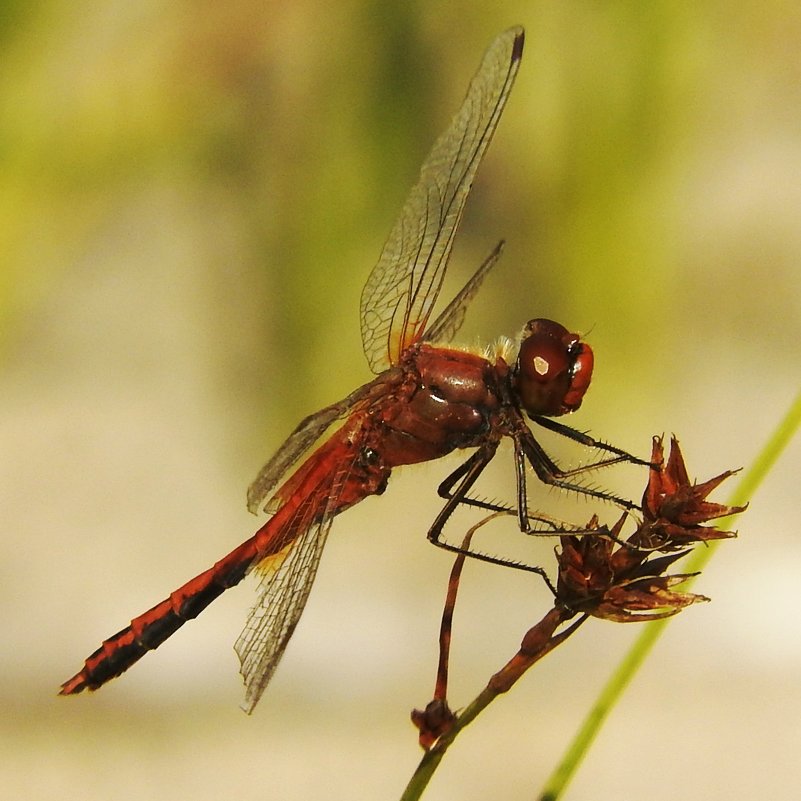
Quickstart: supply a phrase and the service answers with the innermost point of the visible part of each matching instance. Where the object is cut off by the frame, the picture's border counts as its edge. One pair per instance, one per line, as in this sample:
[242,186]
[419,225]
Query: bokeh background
[193,194]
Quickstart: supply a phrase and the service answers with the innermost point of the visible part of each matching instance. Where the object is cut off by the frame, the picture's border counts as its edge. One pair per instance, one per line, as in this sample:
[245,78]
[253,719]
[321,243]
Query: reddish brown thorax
[447,396]
[553,370]
[444,404]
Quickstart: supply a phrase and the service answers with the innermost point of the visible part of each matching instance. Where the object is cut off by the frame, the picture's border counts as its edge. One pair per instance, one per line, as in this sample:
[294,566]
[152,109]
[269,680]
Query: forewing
[401,290]
[286,581]
[452,317]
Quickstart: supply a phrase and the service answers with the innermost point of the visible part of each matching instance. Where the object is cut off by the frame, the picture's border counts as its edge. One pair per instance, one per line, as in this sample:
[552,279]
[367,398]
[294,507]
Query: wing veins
[285,586]
[418,247]
[306,433]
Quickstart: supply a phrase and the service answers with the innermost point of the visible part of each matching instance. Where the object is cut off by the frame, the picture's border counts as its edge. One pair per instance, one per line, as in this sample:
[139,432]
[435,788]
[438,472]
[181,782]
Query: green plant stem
[628,666]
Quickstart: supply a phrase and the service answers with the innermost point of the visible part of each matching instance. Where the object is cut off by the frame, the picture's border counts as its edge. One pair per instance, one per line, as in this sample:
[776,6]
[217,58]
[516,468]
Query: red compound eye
[554,369]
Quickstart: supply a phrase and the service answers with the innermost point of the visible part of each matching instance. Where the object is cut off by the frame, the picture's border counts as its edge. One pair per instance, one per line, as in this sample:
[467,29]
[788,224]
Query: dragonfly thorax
[553,369]
[444,401]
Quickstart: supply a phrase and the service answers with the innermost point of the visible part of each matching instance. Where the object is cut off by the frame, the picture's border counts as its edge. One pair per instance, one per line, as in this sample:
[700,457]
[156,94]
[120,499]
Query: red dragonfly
[426,401]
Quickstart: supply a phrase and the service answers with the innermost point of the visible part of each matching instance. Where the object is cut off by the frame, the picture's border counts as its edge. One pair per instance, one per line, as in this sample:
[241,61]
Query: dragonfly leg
[618,454]
[446,488]
[455,489]
[551,526]
[550,473]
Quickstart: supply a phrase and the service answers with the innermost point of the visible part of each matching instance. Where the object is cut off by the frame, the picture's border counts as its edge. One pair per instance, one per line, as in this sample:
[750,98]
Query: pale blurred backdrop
[193,194]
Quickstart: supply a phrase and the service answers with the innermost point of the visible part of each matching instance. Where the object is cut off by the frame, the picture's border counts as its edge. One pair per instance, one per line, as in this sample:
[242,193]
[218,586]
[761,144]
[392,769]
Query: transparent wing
[308,431]
[452,317]
[402,288]
[286,580]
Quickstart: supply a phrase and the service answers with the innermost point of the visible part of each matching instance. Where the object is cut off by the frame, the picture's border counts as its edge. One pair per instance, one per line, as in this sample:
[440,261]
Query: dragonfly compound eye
[553,369]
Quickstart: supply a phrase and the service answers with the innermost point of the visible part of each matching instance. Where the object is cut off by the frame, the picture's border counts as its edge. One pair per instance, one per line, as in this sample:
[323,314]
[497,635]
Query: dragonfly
[427,400]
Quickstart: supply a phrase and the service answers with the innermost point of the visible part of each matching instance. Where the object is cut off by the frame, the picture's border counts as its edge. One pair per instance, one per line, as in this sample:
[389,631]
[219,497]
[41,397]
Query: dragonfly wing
[452,317]
[403,287]
[283,592]
[308,431]
[286,580]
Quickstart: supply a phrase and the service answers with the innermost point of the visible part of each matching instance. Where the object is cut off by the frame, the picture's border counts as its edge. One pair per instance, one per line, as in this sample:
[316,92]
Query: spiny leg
[590,442]
[554,526]
[456,487]
[446,491]
[551,526]
[550,473]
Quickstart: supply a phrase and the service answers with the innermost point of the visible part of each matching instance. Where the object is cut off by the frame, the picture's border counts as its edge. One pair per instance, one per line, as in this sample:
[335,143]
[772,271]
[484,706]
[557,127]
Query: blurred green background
[193,194]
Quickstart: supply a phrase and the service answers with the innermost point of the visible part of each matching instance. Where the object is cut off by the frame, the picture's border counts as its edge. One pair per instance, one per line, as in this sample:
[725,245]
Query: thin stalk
[629,664]
[500,683]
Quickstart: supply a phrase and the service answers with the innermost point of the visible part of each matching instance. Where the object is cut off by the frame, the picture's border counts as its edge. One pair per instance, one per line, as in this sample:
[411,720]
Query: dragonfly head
[553,369]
